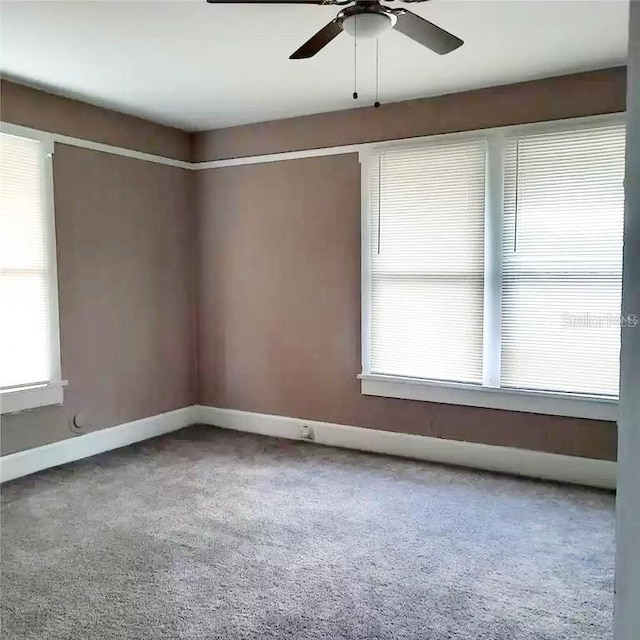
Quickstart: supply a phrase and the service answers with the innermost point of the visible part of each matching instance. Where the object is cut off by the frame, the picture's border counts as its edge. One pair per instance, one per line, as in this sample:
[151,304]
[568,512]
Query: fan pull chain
[355,60]
[377,102]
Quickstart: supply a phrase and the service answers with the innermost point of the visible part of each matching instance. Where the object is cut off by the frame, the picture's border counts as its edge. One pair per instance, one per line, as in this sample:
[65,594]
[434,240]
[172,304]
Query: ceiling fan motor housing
[369,19]
[366,21]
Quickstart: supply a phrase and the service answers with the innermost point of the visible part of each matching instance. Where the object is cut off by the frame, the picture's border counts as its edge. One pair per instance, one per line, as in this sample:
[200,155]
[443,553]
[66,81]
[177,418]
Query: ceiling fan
[367,19]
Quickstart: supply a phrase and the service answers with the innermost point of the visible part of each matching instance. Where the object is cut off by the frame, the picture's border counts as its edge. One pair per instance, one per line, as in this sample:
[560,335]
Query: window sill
[555,404]
[25,398]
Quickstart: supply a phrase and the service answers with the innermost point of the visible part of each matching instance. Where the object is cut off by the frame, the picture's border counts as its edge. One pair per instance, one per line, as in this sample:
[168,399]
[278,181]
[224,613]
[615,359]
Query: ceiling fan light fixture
[368,25]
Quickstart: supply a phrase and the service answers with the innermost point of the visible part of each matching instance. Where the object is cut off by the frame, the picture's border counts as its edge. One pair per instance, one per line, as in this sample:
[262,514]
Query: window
[427,261]
[492,268]
[29,342]
[562,261]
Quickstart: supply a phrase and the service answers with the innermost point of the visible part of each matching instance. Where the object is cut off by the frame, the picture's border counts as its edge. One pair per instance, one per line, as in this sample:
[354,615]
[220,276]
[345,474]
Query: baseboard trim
[534,464]
[23,463]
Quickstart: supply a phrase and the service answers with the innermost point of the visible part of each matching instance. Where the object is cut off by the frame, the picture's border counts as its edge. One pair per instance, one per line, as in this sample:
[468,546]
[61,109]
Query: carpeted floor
[207,534]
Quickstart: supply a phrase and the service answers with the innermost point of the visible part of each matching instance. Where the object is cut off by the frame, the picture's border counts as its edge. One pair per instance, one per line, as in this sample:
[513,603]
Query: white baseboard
[22,463]
[535,464]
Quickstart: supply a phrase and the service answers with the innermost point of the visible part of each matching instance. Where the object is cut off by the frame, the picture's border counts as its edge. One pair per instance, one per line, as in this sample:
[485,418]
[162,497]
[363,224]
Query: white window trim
[49,392]
[25,398]
[555,404]
[488,395]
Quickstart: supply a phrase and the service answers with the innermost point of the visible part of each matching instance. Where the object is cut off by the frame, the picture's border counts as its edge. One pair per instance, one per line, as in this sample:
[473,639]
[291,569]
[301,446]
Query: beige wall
[280,312]
[46,112]
[280,266]
[278,327]
[125,239]
[580,94]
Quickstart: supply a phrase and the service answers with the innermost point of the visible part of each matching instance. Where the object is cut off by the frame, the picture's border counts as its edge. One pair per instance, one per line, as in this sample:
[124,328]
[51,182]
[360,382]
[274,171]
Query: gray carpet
[205,534]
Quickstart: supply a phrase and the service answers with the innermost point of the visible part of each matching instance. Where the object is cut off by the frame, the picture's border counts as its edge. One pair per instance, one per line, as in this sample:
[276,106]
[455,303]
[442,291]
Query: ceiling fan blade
[425,32]
[325,2]
[317,42]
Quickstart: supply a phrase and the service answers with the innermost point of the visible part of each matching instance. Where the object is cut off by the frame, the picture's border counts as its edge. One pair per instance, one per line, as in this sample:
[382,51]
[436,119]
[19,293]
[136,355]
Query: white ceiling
[198,66]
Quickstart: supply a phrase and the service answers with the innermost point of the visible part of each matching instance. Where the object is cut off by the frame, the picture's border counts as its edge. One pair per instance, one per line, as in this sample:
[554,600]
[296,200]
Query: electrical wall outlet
[306,433]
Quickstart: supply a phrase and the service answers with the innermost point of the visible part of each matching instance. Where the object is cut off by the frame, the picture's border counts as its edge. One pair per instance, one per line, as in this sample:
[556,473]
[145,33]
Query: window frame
[46,392]
[489,394]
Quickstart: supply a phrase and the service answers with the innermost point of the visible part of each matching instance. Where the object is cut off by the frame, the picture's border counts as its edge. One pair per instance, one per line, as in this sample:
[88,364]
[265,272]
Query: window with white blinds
[493,263]
[28,307]
[562,261]
[426,256]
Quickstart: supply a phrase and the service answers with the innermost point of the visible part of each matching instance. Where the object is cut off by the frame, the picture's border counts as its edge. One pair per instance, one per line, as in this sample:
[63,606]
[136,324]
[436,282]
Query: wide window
[492,269]
[29,351]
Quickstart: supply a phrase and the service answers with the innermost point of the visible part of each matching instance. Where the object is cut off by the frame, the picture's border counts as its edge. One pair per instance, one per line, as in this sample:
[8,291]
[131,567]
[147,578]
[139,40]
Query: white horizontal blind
[25,322]
[562,261]
[426,210]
